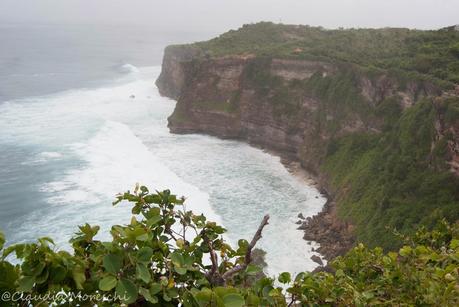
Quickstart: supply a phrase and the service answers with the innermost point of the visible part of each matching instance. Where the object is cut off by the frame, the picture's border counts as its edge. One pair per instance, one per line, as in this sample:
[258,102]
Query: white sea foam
[109,142]
[128,68]
[116,160]
[43,157]
[50,154]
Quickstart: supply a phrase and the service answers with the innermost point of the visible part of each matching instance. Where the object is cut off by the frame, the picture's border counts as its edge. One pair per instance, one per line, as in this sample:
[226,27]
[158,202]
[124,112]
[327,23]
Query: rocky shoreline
[273,104]
[239,112]
[334,235]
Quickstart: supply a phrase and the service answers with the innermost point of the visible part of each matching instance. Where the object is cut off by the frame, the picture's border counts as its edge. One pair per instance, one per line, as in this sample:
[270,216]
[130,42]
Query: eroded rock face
[172,78]
[223,97]
[300,70]
[448,132]
[375,90]
[273,105]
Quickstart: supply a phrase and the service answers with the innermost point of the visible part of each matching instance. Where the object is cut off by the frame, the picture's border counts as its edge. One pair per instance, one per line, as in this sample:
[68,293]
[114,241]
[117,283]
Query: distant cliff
[382,141]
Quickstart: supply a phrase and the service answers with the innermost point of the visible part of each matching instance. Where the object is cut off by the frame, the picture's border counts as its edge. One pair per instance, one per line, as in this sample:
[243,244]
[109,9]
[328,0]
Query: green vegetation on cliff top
[430,54]
[167,256]
[393,172]
[395,177]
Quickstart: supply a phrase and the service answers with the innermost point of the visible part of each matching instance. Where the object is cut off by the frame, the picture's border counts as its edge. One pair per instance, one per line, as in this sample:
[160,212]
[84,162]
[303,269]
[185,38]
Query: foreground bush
[168,256]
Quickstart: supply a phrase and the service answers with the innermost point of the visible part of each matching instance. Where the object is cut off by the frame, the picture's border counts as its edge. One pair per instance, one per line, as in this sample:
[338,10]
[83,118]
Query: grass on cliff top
[433,54]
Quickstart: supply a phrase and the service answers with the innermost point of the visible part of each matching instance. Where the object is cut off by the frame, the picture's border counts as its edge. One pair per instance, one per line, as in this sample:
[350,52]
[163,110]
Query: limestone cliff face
[274,102]
[447,132]
[296,108]
[172,78]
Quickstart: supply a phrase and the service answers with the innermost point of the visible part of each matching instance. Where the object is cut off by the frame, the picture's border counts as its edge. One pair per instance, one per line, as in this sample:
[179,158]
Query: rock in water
[317,260]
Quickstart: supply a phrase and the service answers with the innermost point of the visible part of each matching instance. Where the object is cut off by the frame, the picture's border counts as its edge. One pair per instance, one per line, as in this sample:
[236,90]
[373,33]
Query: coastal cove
[379,132]
[125,140]
[229,153]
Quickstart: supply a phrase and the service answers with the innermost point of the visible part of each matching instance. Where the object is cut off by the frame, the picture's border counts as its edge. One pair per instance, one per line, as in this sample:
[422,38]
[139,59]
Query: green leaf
[284,278]
[38,269]
[181,271]
[43,277]
[454,244]
[8,276]
[107,283]
[243,245]
[26,283]
[299,276]
[142,272]
[180,243]
[222,291]
[57,273]
[339,273]
[368,295]
[136,209]
[79,277]
[143,237]
[253,300]
[127,290]
[177,259]
[166,297]
[233,300]
[155,288]
[188,300]
[172,293]
[153,220]
[274,292]
[46,240]
[204,297]
[405,251]
[112,263]
[252,269]
[147,295]
[144,254]
[2,240]
[17,248]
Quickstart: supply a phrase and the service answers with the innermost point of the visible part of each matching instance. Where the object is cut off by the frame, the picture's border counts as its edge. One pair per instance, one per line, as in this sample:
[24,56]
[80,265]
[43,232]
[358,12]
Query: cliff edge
[382,142]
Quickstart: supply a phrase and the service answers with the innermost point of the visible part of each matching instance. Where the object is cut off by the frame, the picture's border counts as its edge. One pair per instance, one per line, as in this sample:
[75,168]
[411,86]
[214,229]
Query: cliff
[382,143]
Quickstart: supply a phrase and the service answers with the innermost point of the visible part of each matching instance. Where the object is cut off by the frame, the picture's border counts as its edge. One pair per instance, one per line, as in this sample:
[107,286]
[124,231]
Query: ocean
[71,138]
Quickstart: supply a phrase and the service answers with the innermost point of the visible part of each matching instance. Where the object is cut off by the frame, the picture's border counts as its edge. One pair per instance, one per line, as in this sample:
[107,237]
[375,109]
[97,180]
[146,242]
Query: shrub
[168,256]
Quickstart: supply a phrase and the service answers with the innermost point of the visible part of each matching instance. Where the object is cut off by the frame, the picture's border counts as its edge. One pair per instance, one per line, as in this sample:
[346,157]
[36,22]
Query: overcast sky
[220,15]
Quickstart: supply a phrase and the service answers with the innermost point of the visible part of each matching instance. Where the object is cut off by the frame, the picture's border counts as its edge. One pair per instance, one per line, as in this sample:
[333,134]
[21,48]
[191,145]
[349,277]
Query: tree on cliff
[168,256]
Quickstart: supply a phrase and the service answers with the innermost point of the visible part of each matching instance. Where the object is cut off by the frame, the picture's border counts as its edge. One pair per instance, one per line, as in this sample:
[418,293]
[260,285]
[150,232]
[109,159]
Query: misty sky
[220,15]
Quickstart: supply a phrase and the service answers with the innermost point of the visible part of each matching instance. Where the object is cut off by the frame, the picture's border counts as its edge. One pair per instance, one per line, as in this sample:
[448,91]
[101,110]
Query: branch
[213,276]
[214,259]
[248,255]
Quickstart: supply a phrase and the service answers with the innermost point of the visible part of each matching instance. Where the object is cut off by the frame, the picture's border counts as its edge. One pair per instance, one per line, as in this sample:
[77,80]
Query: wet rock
[301,216]
[317,260]
[334,236]
[327,269]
